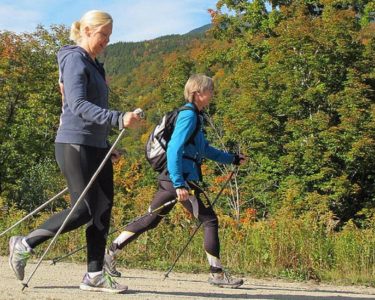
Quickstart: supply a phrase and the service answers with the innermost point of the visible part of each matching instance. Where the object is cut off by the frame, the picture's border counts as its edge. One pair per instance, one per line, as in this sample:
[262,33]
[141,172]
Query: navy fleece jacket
[85,118]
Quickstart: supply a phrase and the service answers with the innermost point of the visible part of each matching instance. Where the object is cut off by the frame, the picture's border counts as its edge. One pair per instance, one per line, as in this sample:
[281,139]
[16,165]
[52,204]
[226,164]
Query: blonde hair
[197,83]
[92,19]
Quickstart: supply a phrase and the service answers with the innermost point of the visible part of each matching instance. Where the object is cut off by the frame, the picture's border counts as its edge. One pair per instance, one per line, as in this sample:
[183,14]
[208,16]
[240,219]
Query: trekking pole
[35,211]
[199,225]
[108,155]
[57,259]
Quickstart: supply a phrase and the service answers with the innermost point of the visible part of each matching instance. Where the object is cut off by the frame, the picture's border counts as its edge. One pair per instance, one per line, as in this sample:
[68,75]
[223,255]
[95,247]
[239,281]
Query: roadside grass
[296,249]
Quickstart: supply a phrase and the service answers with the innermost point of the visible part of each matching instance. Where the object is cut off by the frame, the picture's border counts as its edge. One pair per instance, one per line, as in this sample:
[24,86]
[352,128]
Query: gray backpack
[157,143]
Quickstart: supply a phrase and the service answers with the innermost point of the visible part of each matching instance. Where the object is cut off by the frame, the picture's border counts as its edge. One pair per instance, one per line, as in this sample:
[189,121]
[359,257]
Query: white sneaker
[18,256]
[102,283]
[222,279]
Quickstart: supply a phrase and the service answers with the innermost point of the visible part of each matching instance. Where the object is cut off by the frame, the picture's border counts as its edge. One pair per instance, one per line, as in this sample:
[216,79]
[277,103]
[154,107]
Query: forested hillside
[294,91]
[121,58]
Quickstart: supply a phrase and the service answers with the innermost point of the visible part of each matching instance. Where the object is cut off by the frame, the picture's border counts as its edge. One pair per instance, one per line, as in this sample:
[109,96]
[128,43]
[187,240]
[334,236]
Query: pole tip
[24,286]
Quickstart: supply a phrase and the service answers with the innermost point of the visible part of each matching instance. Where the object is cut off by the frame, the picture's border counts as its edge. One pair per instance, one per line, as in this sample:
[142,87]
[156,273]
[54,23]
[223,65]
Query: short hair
[92,19]
[197,83]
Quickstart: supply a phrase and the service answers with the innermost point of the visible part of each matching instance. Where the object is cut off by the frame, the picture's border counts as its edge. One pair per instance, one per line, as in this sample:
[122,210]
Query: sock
[112,250]
[94,274]
[215,263]
[29,249]
[125,235]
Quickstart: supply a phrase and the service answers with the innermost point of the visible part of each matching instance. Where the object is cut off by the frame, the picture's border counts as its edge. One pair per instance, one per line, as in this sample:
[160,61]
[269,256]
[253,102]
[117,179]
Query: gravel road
[61,282]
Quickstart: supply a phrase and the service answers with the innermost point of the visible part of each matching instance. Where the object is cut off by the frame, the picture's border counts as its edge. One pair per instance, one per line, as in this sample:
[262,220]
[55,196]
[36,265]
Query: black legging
[78,163]
[165,193]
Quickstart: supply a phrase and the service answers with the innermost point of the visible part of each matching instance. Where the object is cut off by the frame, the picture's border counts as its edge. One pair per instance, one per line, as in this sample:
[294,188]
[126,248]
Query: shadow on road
[234,295]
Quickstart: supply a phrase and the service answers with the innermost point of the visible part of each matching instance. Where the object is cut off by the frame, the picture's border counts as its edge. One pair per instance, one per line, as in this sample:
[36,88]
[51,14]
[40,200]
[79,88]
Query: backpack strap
[191,139]
[197,126]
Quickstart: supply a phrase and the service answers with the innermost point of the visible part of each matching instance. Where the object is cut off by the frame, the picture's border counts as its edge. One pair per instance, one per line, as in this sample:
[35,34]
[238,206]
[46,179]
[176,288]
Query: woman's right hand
[182,194]
[131,120]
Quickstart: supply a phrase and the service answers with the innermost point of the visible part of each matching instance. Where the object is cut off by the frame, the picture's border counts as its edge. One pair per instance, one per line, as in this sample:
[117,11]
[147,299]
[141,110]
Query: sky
[134,20]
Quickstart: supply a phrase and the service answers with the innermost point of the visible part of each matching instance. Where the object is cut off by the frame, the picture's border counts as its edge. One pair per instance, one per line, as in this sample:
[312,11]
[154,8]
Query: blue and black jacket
[183,158]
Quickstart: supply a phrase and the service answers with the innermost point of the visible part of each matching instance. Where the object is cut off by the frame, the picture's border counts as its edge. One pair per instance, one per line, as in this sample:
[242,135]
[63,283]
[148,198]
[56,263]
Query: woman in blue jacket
[183,172]
[80,146]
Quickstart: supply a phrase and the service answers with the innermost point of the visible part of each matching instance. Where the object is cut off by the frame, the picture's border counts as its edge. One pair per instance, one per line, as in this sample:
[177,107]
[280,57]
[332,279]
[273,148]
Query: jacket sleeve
[217,155]
[184,128]
[74,76]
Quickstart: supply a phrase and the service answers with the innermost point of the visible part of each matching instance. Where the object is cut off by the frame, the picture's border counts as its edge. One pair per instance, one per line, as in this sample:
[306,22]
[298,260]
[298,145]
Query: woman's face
[98,39]
[204,98]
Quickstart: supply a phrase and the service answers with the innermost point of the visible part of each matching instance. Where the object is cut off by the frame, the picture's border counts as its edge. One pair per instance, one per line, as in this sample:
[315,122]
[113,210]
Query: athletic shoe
[222,279]
[18,256]
[110,265]
[102,283]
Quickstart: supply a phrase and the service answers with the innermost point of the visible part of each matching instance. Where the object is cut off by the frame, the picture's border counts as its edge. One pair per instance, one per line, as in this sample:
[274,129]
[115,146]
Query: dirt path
[61,282]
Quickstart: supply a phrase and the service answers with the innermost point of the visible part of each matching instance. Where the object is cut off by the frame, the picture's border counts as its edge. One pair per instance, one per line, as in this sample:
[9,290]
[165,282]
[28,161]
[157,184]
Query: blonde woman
[80,146]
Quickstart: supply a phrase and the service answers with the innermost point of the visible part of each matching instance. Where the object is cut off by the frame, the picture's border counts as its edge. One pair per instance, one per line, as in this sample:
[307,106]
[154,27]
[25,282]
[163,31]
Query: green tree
[303,103]
[30,103]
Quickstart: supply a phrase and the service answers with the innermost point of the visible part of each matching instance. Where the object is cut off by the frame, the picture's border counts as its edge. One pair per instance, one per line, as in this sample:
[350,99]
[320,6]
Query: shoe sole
[226,285]
[11,246]
[86,287]
[12,243]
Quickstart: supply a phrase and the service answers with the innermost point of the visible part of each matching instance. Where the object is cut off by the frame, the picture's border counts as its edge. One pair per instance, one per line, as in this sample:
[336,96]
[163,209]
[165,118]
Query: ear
[87,31]
[196,96]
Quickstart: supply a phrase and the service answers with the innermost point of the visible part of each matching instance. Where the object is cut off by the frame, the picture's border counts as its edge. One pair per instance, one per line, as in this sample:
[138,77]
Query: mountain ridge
[122,57]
